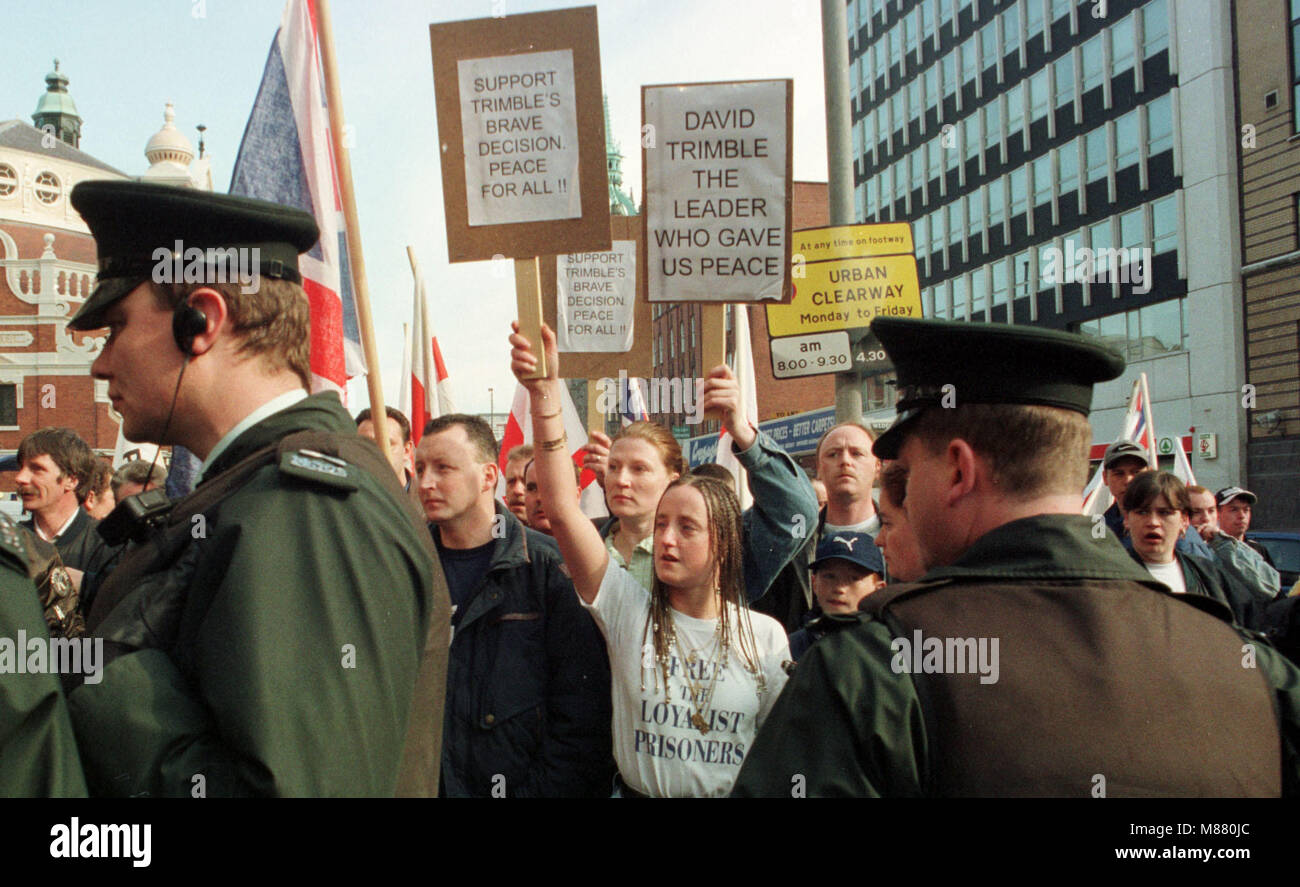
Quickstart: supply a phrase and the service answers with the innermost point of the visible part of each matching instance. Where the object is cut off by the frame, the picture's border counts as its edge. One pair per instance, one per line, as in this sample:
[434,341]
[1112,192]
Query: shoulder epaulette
[319,468]
[12,549]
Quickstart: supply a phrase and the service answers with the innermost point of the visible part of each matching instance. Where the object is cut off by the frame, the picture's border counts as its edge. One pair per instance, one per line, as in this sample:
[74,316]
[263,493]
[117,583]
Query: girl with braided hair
[694,671]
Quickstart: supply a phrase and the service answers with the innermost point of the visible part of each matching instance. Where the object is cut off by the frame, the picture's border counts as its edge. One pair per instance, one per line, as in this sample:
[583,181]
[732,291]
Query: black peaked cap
[987,363]
[130,221]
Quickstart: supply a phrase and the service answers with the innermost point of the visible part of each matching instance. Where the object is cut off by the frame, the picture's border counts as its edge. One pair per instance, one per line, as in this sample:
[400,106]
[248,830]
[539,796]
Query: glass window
[974,214]
[1011,31]
[897,110]
[952,150]
[909,33]
[895,45]
[921,235]
[992,123]
[1092,63]
[1064,69]
[973,135]
[1164,224]
[1019,192]
[949,65]
[1033,17]
[880,53]
[956,221]
[959,298]
[901,179]
[1126,140]
[869,135]
[997,193]
[969,60]
[941,306]
[1070,247]
[1121,46]
[886,186]
[1099,235]
[1015,109]
[1068,165]
[916,163]
[945,11]
[869,200]
[914,106]
[1155,28]
[1131,229]
[1020,267]
[1042,180]
[990,51]
[934,159]
[938,230]
[1161,328]
[1160,125]
[932,87]
[1048,274]
[1113,330]
[979,292]
[1060,8]
[1039,96]
[927,302]
[1094,146]
[998,286]
[927,19]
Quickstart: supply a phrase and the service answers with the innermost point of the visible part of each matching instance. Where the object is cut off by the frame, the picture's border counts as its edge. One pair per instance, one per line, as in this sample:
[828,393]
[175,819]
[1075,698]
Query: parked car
[1284,548]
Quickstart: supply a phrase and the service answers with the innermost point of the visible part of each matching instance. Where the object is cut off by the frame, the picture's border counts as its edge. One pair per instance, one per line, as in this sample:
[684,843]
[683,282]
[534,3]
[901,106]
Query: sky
[126,58]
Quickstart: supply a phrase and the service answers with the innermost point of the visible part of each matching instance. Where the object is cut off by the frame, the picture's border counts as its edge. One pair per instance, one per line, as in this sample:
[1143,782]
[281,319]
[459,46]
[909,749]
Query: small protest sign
[717,169]
[595,294]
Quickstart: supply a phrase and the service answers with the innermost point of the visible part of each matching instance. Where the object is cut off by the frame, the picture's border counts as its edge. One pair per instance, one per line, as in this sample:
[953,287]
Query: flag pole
[374,380]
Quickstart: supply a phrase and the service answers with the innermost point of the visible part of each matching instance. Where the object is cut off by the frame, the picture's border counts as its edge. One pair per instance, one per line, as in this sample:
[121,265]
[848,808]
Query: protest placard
[521,132]
[637,359]
[716,173]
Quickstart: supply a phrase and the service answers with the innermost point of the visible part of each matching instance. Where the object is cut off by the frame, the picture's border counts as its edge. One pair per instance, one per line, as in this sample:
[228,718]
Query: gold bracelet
[552,445]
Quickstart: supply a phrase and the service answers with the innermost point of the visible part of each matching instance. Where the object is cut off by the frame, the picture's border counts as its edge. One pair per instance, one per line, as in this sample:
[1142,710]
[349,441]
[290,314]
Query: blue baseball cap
[856,548]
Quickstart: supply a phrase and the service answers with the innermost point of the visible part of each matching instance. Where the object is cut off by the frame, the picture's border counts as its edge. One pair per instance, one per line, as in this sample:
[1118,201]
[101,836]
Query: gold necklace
[700,699]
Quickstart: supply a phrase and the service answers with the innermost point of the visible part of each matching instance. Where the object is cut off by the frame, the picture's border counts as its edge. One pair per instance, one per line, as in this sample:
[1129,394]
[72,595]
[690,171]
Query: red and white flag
[426,390]
[287,157]
[519,431]
[743,367]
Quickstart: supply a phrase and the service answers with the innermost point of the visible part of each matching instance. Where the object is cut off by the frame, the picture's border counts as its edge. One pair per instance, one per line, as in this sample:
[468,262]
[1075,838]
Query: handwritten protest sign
[521,132]
[521,138]
[717,170]
[595,293]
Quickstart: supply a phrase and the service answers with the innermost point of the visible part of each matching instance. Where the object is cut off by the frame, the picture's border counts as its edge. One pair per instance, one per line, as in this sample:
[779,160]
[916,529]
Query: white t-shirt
[658,750]
[870,526]
[1170,574]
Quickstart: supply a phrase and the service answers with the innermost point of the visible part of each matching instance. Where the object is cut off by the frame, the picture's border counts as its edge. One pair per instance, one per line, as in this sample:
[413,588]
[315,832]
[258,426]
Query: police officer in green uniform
[1031,658]
[38,755]
[267,638]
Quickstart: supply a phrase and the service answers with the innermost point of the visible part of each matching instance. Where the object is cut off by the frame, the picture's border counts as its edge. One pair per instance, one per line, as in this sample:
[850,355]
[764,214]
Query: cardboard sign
[521,130]
[595,294]
[716,169]
[638,360]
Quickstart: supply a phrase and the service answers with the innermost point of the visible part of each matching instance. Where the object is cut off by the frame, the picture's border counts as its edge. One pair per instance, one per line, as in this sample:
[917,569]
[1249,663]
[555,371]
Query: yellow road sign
[851,242]
[848,293]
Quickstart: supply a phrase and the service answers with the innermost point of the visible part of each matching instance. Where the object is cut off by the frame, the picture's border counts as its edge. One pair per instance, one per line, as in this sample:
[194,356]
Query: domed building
[47,267]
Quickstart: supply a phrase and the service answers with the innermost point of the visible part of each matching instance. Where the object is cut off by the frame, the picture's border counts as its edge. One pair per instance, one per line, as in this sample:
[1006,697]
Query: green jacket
[847,725]
[38,756]
[287,663]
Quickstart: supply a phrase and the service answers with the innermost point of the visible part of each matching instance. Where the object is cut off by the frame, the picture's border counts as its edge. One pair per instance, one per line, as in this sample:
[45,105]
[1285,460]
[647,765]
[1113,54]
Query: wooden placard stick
[528,299]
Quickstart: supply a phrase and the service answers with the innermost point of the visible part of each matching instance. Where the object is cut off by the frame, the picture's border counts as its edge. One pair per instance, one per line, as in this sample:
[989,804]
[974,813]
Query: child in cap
[847,569]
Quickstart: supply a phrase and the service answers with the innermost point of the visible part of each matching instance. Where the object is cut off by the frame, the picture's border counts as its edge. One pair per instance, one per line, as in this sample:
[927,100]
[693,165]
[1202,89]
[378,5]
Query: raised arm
[580,544]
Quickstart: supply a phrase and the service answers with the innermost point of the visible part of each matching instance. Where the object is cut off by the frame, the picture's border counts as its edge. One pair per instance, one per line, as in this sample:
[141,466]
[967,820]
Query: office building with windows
[1268,101]
[1072,165]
